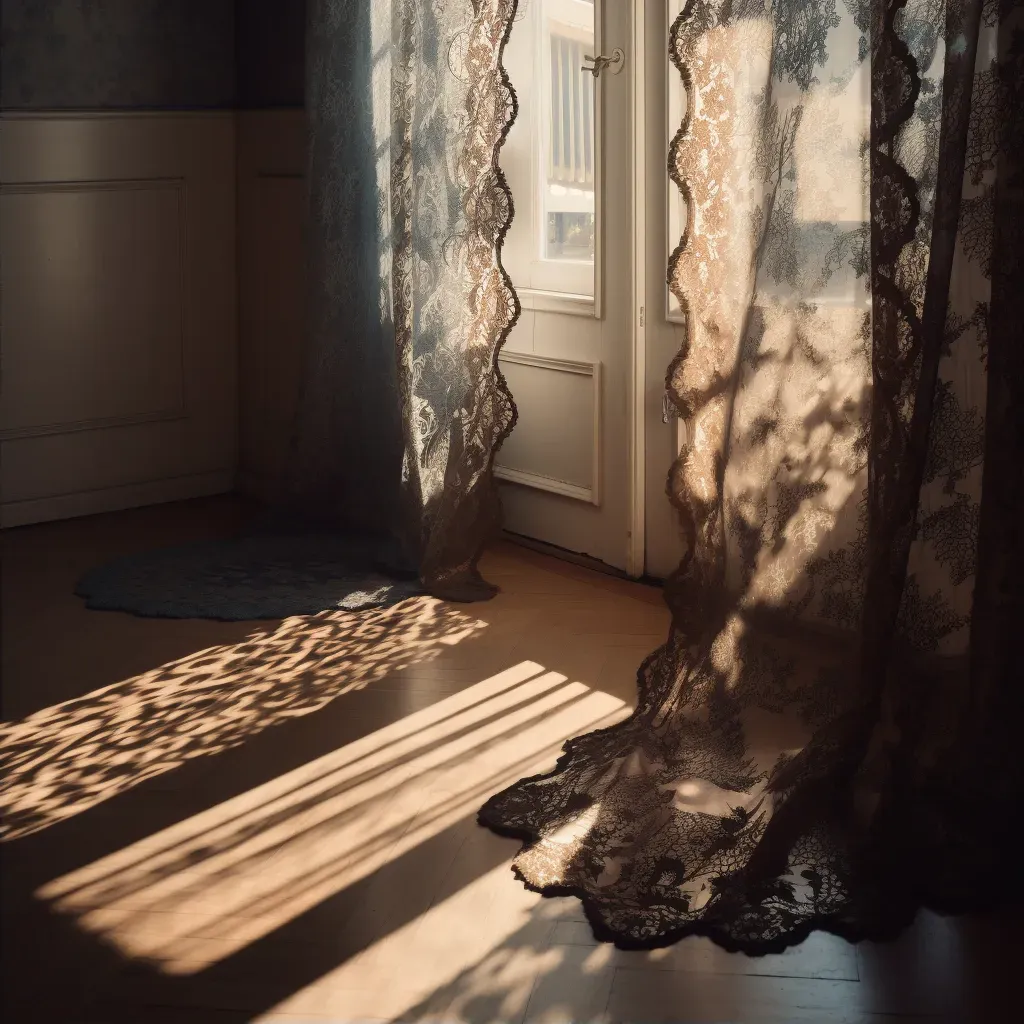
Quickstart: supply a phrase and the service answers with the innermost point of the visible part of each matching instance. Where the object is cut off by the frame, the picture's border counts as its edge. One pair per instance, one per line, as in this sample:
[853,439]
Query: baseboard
[113,499]
[261,486]
[564,555]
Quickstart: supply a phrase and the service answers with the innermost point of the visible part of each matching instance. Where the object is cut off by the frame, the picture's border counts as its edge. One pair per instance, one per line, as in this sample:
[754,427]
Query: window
[552,154]
[569,182]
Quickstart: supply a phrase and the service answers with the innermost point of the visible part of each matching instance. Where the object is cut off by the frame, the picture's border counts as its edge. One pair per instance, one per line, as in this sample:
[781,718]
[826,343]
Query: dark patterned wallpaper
[271,51]
[150,54]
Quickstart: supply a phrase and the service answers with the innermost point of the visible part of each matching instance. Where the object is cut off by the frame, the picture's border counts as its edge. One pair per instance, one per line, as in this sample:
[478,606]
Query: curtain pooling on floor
[823,741]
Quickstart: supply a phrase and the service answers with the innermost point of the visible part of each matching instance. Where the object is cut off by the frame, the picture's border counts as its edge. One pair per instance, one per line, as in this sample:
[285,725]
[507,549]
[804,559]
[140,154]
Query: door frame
[637,550]
[633,28]
[661,433]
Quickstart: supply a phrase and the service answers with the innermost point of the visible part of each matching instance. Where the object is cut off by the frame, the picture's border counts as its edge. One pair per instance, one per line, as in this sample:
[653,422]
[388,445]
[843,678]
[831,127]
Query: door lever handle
[602,62]
[669,412]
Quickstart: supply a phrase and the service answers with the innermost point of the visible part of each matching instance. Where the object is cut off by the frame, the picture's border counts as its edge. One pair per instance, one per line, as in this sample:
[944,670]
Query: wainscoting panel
[271,290]
[541,453]
[118,311]
[127,339]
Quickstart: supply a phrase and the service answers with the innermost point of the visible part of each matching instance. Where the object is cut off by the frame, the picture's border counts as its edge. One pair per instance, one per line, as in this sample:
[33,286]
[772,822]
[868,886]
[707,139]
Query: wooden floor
[275,821]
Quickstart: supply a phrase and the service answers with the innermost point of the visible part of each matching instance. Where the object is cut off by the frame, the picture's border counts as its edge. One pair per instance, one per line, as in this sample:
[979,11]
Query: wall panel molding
[100,423]
[36,228]
[271,187]
[115,114]
[119,310]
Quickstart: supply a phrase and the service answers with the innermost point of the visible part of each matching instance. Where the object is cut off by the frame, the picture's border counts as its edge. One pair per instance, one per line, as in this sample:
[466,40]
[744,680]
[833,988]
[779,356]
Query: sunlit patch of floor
[292,833]
[475,955]
[207,887]
[67,758]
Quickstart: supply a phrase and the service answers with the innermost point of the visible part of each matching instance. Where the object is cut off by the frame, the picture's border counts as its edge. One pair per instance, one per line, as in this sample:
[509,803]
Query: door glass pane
[552,153]
[566,172]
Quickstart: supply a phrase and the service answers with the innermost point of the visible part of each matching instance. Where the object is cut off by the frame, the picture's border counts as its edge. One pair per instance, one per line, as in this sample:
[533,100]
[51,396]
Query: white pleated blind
[571,153]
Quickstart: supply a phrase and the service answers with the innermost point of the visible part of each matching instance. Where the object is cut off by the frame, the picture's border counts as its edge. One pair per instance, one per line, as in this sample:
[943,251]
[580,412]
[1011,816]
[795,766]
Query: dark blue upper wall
[151,54]
[270,53]
[117,54]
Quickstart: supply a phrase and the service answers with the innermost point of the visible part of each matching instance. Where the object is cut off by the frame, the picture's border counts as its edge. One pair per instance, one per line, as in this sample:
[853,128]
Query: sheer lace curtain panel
[404,405]
[827,738]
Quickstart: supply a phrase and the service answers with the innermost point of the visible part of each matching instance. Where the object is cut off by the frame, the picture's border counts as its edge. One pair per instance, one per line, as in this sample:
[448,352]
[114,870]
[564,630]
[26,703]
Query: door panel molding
[532,444]
[568,471]
[567,303]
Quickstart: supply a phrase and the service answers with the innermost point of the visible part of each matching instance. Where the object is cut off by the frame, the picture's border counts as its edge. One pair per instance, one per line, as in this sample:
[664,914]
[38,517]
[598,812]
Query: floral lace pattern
[805,748]
[409,106]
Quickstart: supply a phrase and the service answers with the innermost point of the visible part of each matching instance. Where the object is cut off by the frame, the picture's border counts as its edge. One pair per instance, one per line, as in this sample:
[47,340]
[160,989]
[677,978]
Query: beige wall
[152,307]
[118,306]
[153,292]
[271,291]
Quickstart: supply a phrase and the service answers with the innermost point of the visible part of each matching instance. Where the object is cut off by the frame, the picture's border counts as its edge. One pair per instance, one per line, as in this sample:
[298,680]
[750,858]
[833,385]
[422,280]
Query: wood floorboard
[276,821]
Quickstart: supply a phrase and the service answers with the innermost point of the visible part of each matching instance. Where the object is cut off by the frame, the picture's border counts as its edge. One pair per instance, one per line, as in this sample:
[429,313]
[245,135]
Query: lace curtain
[403,405]
[828,737]
[389,489]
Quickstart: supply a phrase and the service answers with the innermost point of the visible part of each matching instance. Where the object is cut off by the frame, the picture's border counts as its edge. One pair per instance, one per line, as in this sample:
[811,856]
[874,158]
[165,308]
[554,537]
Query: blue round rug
[255,577]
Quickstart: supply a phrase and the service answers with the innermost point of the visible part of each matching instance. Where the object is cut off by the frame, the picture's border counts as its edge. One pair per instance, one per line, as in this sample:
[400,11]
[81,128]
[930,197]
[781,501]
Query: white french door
[567,470]
[596,218]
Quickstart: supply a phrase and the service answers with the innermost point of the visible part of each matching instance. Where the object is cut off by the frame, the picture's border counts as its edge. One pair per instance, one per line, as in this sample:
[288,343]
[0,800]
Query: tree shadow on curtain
[811,748]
